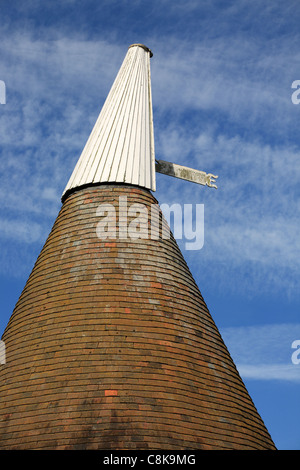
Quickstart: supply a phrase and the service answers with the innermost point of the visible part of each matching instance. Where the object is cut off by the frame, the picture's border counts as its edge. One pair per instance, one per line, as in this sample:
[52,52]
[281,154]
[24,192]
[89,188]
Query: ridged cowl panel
[111,346]
[121,145]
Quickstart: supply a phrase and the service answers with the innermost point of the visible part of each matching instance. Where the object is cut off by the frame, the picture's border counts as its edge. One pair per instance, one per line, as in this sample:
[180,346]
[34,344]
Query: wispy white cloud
[252,219]
[50,110]
[57,85]
[27,232]
[242,78]
[264,352]
[287,372]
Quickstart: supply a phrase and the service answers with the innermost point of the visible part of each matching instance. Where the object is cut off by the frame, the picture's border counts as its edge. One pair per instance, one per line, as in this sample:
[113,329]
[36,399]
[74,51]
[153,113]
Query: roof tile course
[111,346]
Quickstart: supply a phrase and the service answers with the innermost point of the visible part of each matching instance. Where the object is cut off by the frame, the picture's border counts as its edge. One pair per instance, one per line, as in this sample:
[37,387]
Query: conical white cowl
[120,148]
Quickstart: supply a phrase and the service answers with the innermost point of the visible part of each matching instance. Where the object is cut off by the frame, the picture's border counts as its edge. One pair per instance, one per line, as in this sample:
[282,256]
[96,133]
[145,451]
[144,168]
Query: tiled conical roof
[111,345]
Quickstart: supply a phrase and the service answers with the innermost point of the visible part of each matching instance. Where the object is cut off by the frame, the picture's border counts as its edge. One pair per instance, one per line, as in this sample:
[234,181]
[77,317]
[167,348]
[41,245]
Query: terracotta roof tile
[111,346]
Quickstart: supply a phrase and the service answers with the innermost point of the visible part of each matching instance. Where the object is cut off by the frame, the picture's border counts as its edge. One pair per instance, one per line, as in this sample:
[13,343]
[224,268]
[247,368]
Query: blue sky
[222,73]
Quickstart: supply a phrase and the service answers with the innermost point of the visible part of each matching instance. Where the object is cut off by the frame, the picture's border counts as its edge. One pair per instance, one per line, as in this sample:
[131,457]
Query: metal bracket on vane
[185,173]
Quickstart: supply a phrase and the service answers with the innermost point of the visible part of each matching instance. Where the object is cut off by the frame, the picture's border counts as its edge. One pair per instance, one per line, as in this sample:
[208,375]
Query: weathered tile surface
[111,346]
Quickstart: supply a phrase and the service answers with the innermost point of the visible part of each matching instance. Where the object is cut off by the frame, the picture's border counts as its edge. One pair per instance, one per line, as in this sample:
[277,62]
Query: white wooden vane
[120,147]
